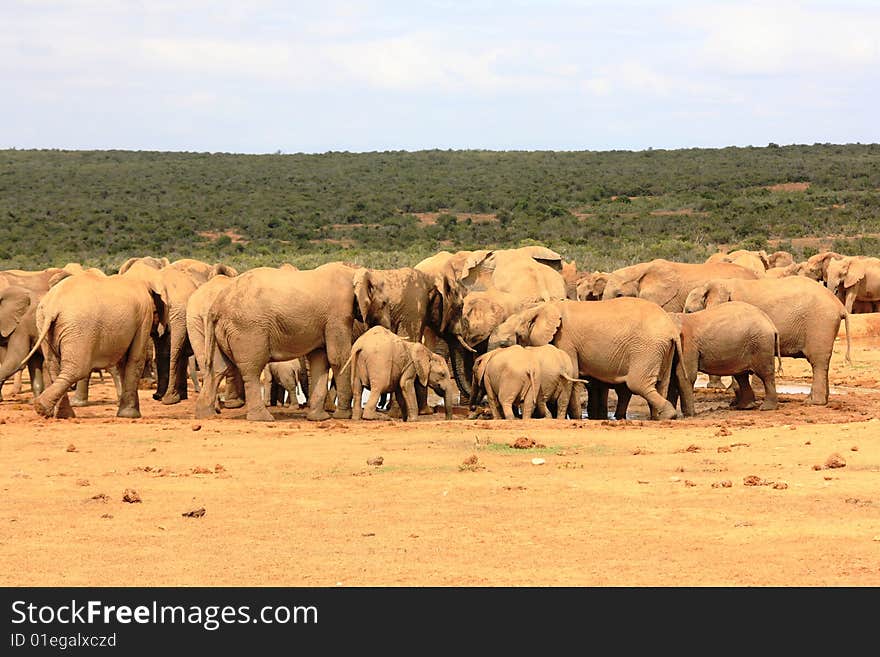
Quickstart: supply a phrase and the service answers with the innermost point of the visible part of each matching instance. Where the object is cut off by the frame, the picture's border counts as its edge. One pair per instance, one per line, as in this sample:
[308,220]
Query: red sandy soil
[295,503]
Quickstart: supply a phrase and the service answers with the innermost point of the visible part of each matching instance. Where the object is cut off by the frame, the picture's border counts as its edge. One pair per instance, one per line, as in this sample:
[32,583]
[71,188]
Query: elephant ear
[452,294]
[545,256]
[60,276]
[658,284]
[765,259]
[363,287]
[421,358]
[159,293]
[716,292]
[14,303]
[224,269]
[475,268]
[480,365]
[855,272]
[539,324]
[127,265]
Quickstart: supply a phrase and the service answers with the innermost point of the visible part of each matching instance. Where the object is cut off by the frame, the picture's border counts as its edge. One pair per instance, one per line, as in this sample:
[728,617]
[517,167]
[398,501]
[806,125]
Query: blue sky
[263,75]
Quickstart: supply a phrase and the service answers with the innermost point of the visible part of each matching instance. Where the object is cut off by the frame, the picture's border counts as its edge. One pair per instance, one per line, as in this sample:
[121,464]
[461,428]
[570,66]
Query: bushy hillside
[604,209]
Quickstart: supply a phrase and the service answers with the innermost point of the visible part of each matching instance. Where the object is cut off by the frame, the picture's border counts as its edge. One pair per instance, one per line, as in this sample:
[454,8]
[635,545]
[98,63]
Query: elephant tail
[846,325]
[685,389]
[568,378]
[778,353]
[352,362]
[46,328]
[530,394]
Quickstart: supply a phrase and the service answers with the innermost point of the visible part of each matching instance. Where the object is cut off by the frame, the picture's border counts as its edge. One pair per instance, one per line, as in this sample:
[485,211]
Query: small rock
[723,431]
[471,464]
[780,485]
[674,479]
[100,497]
[809,442]
[200,470]
[637,451]
[196,427]
[162,527]
[724,448]
[753,480]
[642,481]
[194,513]
[131,496]
[689,483]
[106,515]
[538,461]
[82,482]
[877,538]
[817,467]
[835,461]
[219,468]
[723,484]
[377,461]
[71,447]
[854,448]
[523,442]
[692,448]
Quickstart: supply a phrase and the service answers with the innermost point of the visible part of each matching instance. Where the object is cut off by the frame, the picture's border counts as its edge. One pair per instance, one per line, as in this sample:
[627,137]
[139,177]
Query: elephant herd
[520,327]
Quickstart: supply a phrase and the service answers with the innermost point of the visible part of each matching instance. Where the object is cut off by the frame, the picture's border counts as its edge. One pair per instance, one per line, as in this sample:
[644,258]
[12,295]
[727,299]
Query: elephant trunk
[463,365]
[448,394]
[12,362]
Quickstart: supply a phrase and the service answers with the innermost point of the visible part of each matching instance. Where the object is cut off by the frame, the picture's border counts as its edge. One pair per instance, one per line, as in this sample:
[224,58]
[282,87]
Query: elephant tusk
[465,344]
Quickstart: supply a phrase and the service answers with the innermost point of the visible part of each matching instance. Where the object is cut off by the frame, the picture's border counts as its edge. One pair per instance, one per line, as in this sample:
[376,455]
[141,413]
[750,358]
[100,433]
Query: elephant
[793,269]
[616,341]
[731,339]
[284,377]
[528,274]
[201,272]
[173,347]
[18,335]
[528,377]
[386,362]
[35,281]
[816,266]
[592,286]
[779,259]
[668,283]
[855,279]
[197,307]
[755,261]
[88,321]
[571,276]
[806,314]
[268,314]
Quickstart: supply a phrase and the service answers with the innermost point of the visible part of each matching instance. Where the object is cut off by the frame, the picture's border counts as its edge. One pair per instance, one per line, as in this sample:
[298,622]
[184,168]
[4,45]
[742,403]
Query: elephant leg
[81,396]
[624,396]
[597,400]
[54,400]
[233,397]
[715,383]
[116,375]
[745,396]
[338,353]
[162,350]
[410,410]
[177,381]
[494,405]
[645,385]
[370,412]
[819,386]
[330,397]
[318,375]
[400,399]
[35,371]
[768,380]
[256,409]
[16,382]
[357,391]
[422,397]
[194,373]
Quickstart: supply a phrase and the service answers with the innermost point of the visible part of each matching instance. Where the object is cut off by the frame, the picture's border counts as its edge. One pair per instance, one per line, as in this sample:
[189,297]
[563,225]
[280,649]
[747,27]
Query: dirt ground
[294,503]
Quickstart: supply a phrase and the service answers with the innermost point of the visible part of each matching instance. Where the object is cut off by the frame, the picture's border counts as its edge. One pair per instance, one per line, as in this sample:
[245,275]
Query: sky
[262,76]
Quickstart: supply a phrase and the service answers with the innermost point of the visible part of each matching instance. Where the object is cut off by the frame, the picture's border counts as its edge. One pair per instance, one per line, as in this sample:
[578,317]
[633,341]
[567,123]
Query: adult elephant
[591,287]
[172,348]
[268,315]
[35,281]
[856,279]
[508,279]
[18,335]
[816,266]
[197,307]
[624,341]
[668,283]
[755,261]
[89,321]
[806,314]
[202,272]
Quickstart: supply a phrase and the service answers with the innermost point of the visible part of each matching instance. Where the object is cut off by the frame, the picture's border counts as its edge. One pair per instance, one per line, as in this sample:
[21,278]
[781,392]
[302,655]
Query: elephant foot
[260,415]
[769,406]
[235,402]
[157,396]
[816,402]
[375,417]
[42,409]
[317,416]
[171,398]
[64,412]
[342,414]
[206,413]
[748,406]
[128,412]
[427,410]
[667,413]
[79,403]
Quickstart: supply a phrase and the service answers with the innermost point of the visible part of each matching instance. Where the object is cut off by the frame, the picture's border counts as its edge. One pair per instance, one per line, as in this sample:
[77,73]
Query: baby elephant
[284,376]
[385,362]
[524,377]
[731,339]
